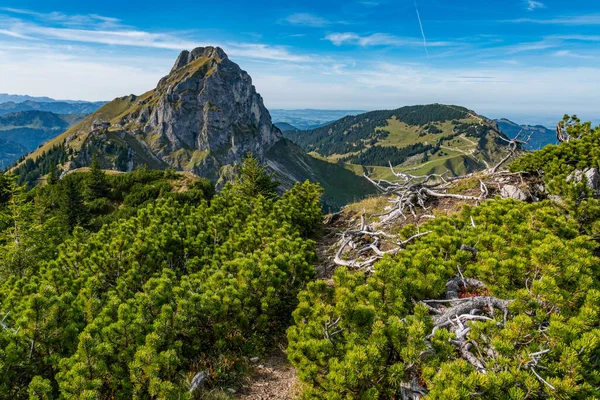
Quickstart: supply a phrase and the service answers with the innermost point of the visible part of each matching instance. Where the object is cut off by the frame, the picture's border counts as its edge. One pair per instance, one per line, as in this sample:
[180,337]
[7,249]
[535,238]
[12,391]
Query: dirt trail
[273,378]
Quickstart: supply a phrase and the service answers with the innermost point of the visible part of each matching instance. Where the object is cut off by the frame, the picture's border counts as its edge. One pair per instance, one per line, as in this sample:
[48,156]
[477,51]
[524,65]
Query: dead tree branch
[370,240]
[514,145]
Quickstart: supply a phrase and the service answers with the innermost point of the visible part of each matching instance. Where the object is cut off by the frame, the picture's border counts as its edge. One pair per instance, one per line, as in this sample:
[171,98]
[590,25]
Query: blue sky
[525,59]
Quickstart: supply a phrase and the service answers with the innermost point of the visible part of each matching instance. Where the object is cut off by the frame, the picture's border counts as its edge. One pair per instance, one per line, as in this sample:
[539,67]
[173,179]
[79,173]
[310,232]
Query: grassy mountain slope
[78,134]
[292,164]
[427,138]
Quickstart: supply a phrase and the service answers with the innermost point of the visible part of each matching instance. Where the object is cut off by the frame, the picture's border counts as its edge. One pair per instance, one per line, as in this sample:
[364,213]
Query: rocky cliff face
[204,115]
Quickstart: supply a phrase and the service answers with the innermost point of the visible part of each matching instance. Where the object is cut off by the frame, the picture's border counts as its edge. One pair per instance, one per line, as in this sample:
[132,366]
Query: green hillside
[426,138]
[341,186]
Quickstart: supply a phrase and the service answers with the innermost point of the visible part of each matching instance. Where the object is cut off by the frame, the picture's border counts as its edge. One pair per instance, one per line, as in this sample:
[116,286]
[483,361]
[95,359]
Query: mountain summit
[203,117]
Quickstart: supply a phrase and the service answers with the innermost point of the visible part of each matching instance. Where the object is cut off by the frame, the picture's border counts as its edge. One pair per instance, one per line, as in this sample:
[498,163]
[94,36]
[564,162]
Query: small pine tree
[71,204]
[4,185]
[96,183]
[254,179]
[52,176]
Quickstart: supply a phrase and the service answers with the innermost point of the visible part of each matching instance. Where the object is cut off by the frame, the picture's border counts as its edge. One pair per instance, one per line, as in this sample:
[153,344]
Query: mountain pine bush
[371,336]
[140,307]
[530,253]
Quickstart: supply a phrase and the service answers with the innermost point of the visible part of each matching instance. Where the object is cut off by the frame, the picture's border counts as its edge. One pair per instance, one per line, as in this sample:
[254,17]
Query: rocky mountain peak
[186,57]
[203,117]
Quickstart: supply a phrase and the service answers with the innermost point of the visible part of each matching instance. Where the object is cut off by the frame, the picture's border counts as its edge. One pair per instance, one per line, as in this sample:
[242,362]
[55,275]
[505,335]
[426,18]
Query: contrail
[422,31]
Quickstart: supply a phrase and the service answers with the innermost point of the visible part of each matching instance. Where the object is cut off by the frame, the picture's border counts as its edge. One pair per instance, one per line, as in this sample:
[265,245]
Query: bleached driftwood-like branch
[514,145]
[371,241]
[411,192]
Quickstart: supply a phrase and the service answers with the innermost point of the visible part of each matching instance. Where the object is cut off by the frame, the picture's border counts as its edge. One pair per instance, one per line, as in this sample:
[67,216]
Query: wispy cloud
[571,54]
[305,19]
[17,35]
[591,19]
[72,20]
[580,38]
[528,47]
[127,37]
[378,39]
[370,3]
[532,5]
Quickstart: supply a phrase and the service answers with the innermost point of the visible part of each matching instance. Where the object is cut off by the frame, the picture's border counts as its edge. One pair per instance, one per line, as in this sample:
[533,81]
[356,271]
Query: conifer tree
[71,203]
[254,179]
[96,183]
[18,237]
[52,175]
[4,193]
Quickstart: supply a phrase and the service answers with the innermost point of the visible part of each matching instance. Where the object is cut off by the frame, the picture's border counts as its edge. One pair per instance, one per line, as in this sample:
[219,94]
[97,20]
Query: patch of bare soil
[273,378]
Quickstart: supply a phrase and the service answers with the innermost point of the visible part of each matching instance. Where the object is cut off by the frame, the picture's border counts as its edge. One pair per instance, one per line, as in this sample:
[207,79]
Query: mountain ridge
[19,98]
[540,135]
[432,138]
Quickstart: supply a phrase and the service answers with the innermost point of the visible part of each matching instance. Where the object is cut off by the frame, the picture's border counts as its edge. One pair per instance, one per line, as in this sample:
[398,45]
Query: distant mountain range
[20,98]
[430,138]
[27,122]
[541,136]
[57,107]
[24,131]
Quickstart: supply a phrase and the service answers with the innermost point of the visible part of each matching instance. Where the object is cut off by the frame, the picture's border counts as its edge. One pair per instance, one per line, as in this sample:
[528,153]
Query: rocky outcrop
[204,115]
[590,176]
[513,192]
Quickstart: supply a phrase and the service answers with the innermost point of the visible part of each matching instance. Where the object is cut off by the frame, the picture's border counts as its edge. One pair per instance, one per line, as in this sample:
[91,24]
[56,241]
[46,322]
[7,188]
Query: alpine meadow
[417,218]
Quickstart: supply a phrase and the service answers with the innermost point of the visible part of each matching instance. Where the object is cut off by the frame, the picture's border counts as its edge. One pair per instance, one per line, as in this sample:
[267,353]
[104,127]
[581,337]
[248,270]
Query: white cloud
[305,19]
[591,19]
[505,90]
[17,35]
[378,39]
[528,47]
[532,5]
[341,38]
[75,78]
[571,54]
[582,38]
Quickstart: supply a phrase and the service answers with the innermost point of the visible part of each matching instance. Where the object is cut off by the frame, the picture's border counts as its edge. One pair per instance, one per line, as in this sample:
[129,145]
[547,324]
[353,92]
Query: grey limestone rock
[513,192]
